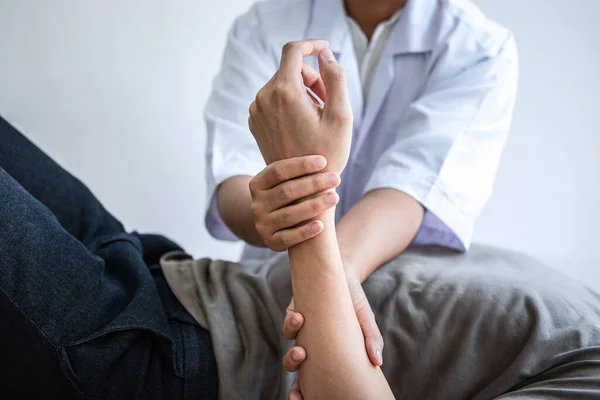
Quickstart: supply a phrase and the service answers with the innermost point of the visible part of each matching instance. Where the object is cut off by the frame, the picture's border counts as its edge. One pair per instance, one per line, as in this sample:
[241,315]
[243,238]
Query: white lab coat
[434,124]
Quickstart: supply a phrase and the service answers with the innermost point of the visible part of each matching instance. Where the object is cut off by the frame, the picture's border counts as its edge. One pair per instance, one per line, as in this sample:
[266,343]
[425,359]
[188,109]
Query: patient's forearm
[337,365]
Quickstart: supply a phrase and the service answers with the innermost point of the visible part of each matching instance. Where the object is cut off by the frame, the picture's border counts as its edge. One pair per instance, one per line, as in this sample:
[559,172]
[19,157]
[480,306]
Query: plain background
[115,90]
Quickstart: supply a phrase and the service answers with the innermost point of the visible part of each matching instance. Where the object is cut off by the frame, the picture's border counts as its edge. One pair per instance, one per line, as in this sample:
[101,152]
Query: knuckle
[337,74]
[316,205]
[286,216]
[254,208]
[317,183]
[290,46]
[253,185]
[258,99]
[307,166]
[281,91]
[259,96]
[286,194]
[261,228]
[285,242]
[279,172]
[341,117]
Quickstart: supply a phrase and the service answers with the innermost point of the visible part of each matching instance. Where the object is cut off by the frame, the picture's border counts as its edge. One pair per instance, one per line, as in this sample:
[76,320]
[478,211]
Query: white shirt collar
[415,31]
[368,54]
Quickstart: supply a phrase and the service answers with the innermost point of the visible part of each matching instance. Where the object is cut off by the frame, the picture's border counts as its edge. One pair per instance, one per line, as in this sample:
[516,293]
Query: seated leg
[76,322]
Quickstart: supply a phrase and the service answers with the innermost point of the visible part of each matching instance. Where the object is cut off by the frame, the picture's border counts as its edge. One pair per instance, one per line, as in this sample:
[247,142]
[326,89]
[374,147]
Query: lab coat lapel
[347,60]
[328,21]
[412,33]
[382,81]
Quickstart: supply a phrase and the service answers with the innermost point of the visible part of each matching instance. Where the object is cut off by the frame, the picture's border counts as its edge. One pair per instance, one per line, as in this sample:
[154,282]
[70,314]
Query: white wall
[114,90]
[547,198]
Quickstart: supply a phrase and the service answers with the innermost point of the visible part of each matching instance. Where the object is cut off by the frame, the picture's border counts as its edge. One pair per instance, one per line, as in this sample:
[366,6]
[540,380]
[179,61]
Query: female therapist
[432,86]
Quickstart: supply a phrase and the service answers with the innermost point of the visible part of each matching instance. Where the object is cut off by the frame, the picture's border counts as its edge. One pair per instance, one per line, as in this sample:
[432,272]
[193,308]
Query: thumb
[334,78]
[368,325]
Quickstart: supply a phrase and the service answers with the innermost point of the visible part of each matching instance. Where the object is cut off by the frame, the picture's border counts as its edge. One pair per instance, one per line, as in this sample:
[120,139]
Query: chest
[381,112]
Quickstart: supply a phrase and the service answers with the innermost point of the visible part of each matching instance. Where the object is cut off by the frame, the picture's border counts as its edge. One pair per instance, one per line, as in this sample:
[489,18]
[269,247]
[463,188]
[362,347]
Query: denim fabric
[85,311]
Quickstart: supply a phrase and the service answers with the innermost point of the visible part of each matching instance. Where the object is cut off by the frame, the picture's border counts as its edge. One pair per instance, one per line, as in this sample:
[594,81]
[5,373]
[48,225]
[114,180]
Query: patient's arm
[337,365]
[286,123]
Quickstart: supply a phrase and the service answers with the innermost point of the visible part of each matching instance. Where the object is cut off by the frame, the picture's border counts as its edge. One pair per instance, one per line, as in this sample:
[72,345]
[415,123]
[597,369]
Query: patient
[90,311]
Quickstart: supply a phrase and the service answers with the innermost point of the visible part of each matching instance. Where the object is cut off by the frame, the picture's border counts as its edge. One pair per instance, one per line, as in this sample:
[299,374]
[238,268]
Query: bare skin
[370,13]
[248,214]
[336,365]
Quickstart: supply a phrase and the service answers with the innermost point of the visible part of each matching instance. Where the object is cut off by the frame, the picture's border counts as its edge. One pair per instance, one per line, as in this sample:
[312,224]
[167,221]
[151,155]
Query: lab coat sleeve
[446,154]
[231,150]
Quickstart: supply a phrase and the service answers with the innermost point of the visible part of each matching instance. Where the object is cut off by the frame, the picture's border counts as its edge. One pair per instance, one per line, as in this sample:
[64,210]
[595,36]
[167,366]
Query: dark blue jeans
[85,311]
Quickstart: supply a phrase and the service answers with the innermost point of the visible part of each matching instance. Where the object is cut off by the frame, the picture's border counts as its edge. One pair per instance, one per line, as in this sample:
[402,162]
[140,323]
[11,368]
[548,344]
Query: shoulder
[462,24]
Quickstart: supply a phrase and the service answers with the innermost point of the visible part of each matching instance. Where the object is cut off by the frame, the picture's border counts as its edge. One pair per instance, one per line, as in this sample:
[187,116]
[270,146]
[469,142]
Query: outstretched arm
[286,124]
[337,365]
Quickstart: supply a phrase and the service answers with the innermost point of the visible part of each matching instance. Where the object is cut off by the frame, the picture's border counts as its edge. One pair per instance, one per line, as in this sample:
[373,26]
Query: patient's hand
[286,122]
[287,196]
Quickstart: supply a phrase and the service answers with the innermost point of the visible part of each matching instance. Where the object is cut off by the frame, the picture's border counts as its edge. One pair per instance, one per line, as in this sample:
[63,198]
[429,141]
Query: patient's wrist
[322,251]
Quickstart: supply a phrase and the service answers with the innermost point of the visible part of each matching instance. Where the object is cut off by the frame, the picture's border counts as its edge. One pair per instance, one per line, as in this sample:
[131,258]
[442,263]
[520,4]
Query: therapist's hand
[373,339]
[287,195]
[287,123]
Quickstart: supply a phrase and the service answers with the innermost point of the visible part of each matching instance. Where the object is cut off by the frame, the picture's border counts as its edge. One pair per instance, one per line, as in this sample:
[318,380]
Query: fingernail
[379,355]
[330,198]
[332,179]
[320,163]
[295,356]
[315,227]
[296,320]
[328,54]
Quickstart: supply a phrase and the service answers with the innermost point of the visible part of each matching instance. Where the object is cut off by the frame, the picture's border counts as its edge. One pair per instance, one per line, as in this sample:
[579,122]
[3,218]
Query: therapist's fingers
[368,324]
[292,322]
[295,392]
[338,105]
[297,189]
[293,358]
[286,238]
[304,211]
[312,79]
[284,170]
[293,54]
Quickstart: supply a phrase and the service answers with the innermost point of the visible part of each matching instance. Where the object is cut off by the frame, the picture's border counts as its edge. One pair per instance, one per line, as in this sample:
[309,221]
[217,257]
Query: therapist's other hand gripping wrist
[286,197]
[286,122]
